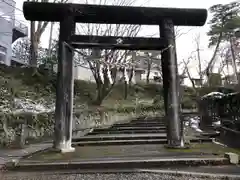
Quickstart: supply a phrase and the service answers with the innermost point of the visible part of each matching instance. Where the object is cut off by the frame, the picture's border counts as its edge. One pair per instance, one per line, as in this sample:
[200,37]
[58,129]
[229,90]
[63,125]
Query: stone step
[136,128]
[133,142]
[149,120]
[120,142]
[102,137]
[110,131]
[119,163]
[146,122]
[138,125]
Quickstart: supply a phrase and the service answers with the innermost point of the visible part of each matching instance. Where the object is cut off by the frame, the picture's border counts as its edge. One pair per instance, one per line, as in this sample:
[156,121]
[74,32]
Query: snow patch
[217,123]
[194,123]
[29,106]
[214,94]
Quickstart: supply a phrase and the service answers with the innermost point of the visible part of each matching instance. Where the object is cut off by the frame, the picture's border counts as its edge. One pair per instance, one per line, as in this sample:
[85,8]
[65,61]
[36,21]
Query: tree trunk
[103,89]
[34,46]
[199,63]
[131,76]
[20,135]
[125,90]
[147,79]
[127,86]
[99,98]
[210,64]
[148,70]
[234,61]
[100,94]
[50,41]
[133,68]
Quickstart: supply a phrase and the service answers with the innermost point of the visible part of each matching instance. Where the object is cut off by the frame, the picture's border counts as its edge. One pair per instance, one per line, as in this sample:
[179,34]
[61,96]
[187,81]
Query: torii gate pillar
[65,82]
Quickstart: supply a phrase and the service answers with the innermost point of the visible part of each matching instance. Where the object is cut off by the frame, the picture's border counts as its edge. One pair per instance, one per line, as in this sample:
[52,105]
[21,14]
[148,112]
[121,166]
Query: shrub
[85,89]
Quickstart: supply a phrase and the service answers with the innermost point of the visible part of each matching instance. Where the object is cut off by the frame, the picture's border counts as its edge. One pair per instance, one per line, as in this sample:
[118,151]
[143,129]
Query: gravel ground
[101,176]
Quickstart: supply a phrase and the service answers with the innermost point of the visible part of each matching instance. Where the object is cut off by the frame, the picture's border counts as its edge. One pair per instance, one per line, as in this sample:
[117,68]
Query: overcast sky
[185,43]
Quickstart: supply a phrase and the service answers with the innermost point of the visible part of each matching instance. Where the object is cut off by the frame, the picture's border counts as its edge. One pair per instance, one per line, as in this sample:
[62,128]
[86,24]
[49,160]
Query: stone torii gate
[70,14]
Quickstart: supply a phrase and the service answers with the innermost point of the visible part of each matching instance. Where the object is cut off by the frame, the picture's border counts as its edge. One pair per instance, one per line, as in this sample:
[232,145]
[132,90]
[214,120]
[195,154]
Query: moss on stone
[83,152]
[206,148]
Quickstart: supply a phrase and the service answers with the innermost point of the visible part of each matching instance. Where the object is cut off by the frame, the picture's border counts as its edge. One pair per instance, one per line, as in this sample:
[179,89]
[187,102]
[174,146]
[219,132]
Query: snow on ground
[214,94]
[27,105]
[194,123]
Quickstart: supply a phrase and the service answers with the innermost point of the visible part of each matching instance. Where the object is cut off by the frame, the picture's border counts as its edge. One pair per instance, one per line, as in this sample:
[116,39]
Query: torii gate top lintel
[85,13]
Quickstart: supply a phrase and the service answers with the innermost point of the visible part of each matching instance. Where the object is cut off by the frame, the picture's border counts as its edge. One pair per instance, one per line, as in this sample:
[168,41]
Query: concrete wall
[6,39]
[7,14]
[80,73]
[137,77]
[85,74]
[7,24]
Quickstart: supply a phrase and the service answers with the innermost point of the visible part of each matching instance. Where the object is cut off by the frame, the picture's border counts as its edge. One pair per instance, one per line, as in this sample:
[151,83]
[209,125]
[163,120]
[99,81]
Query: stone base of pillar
[68,150]
[65,147]
[177,145]
[63,150]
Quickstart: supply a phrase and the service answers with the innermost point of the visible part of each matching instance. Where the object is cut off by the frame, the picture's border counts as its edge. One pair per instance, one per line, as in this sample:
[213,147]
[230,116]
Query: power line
[20,21]
[23,22]
[12,5]
[21,9]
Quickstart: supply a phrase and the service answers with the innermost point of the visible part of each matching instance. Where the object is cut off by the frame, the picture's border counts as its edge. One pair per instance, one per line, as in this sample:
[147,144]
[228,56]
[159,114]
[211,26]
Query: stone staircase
[142,130]
[139,143]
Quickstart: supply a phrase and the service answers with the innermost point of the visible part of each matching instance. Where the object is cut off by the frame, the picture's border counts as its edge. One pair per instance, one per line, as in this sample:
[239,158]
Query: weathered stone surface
[234,158]
[111,176]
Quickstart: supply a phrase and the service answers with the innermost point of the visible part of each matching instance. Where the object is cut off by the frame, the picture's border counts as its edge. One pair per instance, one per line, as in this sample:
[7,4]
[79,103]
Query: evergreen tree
[223,25]
[225,21]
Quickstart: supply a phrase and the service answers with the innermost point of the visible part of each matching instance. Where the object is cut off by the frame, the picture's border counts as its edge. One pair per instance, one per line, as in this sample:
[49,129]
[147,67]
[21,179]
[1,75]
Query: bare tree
[21,50]
[186,70]
[212,61]
[223,56]
[149,59]
[234,58]
[36,31]
[196,56]
[105,64]
[229,55]
[153,57]
[200,72]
